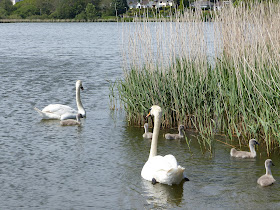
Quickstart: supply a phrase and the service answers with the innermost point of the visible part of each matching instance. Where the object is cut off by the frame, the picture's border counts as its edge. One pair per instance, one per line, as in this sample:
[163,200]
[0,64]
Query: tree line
[62,9]
[88,10]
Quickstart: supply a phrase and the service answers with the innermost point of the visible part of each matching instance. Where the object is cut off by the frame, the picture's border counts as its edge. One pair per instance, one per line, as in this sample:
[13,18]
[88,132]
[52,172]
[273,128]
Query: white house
[206,4]
[151,4]
[201,4]
[138,5]
[15,1]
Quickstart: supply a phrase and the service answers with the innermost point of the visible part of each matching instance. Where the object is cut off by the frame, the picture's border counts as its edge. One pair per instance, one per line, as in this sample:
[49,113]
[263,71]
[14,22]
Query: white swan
[62,112]
[161,169]
[70,122]
[267,179]
[147,135]
[244,154]
[176,136]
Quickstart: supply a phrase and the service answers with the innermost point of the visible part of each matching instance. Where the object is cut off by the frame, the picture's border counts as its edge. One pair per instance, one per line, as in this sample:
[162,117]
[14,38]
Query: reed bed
[220,76]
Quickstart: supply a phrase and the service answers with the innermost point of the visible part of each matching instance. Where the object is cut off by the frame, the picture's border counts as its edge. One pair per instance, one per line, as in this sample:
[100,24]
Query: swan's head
[268,163]
[79,116]
[154,111]
[181,127]
[79,84]
[253,142]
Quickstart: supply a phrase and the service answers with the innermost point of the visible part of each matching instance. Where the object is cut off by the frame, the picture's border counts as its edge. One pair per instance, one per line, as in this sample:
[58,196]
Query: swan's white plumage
[164,169]
[62,112]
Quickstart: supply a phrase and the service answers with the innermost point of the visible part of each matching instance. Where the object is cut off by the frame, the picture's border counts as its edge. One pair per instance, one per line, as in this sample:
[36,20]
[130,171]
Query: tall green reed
[235,91]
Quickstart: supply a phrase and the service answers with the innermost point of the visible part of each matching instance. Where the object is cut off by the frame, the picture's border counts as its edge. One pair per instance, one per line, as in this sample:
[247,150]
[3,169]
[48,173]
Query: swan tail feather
[47,115]
[39,111]
[172,176]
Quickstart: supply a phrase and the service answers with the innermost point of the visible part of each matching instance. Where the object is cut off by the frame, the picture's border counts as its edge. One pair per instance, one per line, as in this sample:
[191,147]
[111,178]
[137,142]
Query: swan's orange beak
[148,115]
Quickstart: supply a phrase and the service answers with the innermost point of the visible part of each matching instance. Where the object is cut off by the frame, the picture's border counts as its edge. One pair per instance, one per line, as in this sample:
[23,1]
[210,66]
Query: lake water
[98,165]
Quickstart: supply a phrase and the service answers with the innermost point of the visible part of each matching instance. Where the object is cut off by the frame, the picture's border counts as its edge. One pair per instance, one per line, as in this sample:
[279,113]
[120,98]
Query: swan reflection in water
[162,194]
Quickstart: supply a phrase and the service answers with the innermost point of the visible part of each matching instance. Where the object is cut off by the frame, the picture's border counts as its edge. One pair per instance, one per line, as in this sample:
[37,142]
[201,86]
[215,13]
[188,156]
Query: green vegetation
[87,10]
[91,10]
[237,94]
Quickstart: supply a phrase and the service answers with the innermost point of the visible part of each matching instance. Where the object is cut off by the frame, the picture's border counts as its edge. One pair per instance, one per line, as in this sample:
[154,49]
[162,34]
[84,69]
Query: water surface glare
[98,165]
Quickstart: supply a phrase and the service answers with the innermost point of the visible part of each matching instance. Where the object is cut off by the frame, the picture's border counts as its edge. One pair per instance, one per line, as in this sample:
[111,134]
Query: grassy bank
[234,91]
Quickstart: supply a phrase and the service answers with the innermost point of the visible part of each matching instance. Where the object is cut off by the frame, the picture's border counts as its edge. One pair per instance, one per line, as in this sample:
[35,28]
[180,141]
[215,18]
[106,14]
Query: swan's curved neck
[146,129]
[81,109]
[268,170]
[181,132]
[153,151]
[252,149]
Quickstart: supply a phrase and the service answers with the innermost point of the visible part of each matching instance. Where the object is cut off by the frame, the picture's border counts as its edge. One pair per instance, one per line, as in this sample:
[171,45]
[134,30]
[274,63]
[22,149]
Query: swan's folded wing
[59,109]
[159,163]
[167,170]
[171,161]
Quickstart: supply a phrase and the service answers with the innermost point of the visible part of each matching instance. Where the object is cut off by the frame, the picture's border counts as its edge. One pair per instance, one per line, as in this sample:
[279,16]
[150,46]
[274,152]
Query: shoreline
[53,20]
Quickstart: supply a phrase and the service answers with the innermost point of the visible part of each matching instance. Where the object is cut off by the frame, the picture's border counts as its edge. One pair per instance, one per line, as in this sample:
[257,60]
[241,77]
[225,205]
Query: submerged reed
[218,76]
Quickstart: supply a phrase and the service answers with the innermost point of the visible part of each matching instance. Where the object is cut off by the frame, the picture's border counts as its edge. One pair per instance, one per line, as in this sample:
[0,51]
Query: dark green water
[98,165]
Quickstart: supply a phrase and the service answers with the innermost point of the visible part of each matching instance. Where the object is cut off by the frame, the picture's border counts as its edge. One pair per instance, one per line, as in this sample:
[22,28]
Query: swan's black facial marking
[149,113]
[82,88]
[154,181]
[186,179]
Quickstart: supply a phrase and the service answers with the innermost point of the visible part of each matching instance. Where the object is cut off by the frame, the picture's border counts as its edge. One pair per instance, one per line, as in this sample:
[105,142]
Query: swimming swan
[70,122]
[244,154]
[161,169]
[176,136]
[62,112]
[147,135]
[267,179]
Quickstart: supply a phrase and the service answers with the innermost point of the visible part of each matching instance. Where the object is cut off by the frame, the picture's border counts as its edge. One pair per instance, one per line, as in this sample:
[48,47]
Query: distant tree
[120,6]
[70,8]
[46,6]
[183,3]
[26,8]
[91,12]
[81,16]
[106,8]
[6,8]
